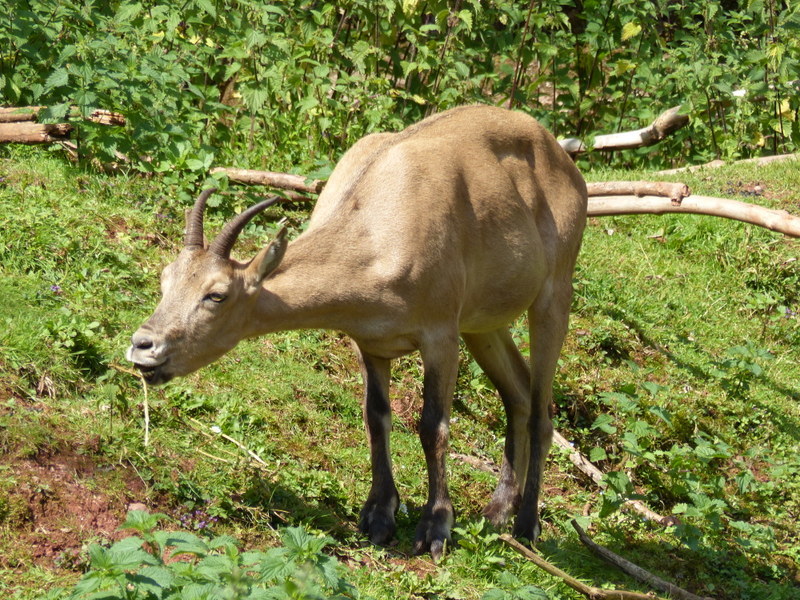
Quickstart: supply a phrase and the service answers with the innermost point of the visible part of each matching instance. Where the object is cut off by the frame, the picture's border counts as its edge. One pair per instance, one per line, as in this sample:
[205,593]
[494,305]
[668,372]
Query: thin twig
[146,414]
[633,570]
[219,458]
[238,444]
[596,475]
[589,591]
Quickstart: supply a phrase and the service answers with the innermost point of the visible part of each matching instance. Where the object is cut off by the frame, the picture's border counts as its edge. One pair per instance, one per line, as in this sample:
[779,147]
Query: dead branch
[715,164]
[591,592]
[665,124]
[674,191]
[26,132]
[774,220]
[31,113]
[596,475]
[487,466]
[13,114]
[633,570]
[286,181]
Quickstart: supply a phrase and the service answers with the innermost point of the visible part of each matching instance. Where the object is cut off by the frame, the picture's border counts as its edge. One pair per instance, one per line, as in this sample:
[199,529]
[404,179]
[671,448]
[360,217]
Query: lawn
[679,379]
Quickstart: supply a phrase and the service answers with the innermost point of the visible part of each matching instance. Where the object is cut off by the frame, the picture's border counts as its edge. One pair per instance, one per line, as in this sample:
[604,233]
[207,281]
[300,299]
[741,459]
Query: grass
[679,377]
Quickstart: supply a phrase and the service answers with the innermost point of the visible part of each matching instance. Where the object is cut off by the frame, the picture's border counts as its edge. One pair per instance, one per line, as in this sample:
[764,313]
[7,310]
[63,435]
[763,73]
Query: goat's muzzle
[148,357]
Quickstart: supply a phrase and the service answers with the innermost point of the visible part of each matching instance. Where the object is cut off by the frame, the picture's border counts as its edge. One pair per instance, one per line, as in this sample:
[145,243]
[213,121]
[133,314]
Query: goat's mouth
[154,374]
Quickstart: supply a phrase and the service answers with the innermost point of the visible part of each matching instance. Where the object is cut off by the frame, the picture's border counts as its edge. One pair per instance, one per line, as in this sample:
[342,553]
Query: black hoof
[377,524]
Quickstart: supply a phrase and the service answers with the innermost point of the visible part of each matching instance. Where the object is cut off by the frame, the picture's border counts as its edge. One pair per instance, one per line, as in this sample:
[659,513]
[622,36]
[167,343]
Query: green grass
[679,377]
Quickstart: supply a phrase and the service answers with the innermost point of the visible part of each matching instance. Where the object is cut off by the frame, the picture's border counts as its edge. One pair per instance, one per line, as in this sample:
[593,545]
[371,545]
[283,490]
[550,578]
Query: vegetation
[678,380]
[679,377]
[290,84]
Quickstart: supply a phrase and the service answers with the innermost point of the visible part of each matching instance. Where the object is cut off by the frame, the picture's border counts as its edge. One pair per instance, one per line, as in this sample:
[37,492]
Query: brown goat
[452,227]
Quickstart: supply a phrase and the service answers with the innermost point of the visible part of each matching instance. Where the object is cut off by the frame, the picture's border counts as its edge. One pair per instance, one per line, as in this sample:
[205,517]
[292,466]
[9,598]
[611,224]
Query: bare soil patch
[53,505]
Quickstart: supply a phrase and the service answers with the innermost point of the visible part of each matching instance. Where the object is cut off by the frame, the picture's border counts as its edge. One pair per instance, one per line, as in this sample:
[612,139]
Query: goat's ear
[268,259]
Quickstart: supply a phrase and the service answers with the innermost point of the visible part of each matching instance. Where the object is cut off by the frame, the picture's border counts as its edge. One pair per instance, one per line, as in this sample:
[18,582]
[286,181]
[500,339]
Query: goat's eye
[215,297]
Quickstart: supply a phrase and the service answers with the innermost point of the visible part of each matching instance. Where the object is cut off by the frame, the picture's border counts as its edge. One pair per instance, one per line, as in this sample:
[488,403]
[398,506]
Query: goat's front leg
[378,515]
[441,369]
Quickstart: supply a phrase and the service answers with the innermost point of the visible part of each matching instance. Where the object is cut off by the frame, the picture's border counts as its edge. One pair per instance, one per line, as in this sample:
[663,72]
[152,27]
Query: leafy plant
[145,567]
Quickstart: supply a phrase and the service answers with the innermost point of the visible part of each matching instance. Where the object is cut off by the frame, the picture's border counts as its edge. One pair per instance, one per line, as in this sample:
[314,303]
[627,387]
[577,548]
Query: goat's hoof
[377,524]
[527,529]
[433,534]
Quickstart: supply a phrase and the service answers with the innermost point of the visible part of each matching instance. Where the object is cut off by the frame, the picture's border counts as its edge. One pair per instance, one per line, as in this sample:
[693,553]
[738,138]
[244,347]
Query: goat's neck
[312,289]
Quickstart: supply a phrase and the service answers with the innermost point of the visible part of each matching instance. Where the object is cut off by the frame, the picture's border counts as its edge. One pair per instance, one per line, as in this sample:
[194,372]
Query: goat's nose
[141,342]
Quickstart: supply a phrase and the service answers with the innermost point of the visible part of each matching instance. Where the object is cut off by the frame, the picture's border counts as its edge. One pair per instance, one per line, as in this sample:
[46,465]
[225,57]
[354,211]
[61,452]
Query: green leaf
[597,454]
[127,12]
[141,520]
[207,6]
[152,580]
[630,29]
[603,422]
[58,78]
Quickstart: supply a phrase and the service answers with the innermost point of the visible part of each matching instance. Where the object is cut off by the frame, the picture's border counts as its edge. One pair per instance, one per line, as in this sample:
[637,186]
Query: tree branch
[285,181]
[714,164]
[675,191]
[596,475]
[774,220]
[591,592]
[665,124]
[633,570]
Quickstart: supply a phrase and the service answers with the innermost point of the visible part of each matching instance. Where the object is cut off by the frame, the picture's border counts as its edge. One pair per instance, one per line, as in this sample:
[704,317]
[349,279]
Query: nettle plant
[157,564]
[207,82]
[691,477]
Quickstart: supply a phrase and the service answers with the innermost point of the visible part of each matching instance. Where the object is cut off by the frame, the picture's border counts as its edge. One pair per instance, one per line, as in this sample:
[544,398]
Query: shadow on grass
[700,369]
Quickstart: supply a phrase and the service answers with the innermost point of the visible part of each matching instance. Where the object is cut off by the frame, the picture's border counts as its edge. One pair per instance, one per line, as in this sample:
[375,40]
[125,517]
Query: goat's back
[467,212]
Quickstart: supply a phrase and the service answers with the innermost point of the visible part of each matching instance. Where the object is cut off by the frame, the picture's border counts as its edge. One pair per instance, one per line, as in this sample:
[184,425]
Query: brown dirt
[56,504]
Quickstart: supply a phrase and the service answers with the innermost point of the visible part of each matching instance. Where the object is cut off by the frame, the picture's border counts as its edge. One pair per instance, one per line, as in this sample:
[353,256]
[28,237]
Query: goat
[453,227]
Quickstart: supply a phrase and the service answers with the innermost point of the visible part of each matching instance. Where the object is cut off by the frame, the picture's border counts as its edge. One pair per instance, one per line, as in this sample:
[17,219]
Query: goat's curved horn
[222,244]
[193,238]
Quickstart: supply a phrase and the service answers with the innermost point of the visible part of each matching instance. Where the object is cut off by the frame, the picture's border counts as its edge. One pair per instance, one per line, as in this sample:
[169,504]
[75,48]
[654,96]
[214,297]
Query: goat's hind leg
[378,514]
[547,322]
[508,370]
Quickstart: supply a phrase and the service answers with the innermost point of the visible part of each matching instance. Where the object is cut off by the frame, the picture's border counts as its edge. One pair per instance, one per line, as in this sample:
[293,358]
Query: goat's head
[206,299]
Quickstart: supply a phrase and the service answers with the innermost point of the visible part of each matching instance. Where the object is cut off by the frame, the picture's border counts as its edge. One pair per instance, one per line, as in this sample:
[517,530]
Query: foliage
[679,379]
[295,83]
[160,565]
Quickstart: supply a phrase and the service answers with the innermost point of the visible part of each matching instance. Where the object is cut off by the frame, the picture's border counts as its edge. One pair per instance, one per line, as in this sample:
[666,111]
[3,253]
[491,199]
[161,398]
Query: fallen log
[285,181]
[674,191]
[31,113]
[715,164]
[26,132]
[13,114]
[774,220]
[665,124]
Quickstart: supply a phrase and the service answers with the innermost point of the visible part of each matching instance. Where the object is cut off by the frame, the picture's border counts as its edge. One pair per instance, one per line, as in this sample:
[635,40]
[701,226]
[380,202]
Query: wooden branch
[665,124]
[633,570]
[13,114]
[286,181]
[674,191]
[591,592]
[31,113]
[26,132]
[596,475]
[774,220]
[715,164]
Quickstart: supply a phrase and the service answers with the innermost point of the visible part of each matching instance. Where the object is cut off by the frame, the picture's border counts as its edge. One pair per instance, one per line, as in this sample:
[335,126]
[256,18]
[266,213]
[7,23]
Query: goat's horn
[222,244]
[193,237]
